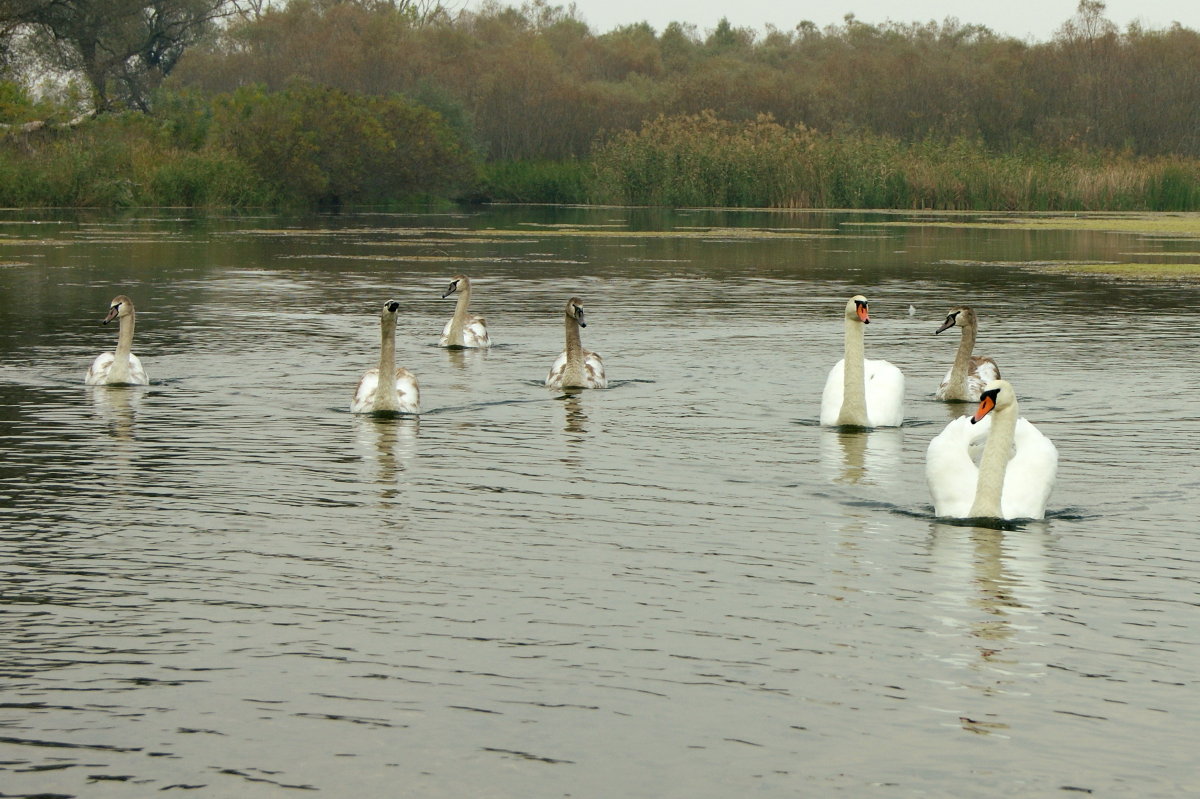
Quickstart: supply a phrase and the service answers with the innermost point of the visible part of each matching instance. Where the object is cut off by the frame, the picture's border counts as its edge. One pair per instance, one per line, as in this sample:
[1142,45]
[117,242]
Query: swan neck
[125,337]
[119,371]
[962,362]
[992,467]
[854,389]
[459,320]
[385,390]
[573,370]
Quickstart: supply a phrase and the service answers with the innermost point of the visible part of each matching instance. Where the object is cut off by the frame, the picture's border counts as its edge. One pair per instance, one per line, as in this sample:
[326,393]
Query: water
[224,584]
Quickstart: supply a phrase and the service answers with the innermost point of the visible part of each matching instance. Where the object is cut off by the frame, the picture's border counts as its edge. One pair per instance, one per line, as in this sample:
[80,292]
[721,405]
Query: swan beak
[863,315]
[949,323]
[112,314]
[986,404]
[579,316]
[449,291]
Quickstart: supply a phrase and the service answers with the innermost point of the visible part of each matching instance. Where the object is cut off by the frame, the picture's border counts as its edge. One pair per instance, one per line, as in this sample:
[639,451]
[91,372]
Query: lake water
[226,585]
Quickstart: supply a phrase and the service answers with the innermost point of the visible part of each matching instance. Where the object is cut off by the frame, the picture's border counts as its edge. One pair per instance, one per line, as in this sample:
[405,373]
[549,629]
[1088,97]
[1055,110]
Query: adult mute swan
[120,368]
[576,367]
[970,373]
[463,329]
[861,392]
[1015,471]
[401,392]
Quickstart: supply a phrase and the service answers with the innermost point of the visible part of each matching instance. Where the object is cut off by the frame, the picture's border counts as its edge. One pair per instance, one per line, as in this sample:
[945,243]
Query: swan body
[121,367]
[464,329]
[992,464]
[862,392]
[968,375]
[399,394]
[576,367]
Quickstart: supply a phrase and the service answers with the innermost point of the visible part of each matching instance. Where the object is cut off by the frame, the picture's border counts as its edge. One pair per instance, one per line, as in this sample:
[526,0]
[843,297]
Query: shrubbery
[306,145]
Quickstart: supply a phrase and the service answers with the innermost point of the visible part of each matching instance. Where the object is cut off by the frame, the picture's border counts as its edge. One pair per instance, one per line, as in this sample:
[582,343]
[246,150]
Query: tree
[122,48]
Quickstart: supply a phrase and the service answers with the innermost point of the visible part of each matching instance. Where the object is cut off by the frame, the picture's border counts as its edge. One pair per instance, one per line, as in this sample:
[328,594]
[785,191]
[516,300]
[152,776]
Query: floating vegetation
[1123,271]
[1170,225]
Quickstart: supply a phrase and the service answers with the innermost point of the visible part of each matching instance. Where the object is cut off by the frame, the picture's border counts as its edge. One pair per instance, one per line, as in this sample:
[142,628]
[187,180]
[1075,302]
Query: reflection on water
[575,419]
[870,457]
[679,586]
[389,443]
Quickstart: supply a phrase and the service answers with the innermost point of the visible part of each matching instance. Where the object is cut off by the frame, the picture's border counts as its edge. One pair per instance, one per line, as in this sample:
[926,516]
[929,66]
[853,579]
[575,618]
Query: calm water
[224,584]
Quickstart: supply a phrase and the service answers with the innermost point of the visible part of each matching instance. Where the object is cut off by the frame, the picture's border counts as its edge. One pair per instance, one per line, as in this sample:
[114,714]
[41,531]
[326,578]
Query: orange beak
[863,315]
[986,404]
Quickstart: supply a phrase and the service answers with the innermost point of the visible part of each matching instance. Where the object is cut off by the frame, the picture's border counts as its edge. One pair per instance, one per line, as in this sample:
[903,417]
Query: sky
[1024,19]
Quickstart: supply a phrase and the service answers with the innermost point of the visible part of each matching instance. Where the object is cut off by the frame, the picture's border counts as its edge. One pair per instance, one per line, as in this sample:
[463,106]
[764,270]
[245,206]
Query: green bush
[319,145]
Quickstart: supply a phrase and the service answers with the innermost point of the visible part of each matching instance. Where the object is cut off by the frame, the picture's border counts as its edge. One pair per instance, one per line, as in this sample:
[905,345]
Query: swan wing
[885,393]
[593,371]
[408,390]
[475,333]
[831,397]
[950,466]
[983,371]
[364,395]
[555,377]
[137,372]
[1030,475]
[97,373]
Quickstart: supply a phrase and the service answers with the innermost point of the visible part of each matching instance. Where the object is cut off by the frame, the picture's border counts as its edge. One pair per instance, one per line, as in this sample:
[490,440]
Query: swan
[861,392]
[463,329]
[400,394]
[970,373]
[120,368]
[1015,471]
[576,367]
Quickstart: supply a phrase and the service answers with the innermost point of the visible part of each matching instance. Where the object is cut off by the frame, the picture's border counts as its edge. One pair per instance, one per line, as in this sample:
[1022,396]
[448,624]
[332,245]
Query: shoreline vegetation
[324,104]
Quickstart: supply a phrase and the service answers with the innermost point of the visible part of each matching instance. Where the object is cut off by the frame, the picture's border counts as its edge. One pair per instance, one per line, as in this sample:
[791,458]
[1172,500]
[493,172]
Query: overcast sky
[1024,19]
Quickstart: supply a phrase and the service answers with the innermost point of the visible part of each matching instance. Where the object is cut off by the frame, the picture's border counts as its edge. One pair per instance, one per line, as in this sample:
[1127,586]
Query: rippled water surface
[224,584]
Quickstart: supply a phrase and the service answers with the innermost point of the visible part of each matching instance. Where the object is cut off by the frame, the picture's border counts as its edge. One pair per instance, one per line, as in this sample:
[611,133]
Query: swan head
[959,317]
[390,307]
[575,311]
[996,395]
[457,283]
[119,307]
[857,310]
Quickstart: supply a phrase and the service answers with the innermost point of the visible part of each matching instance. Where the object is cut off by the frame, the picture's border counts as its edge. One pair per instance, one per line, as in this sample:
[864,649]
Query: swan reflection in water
[862,457]
[117,408]
[390,444]
[575,426]
[991,587]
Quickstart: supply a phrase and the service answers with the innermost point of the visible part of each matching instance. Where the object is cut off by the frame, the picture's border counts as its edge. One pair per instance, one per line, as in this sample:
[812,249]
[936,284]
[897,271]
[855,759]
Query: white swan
[120,368]
[576,367]
[1016,467]
[463,329]
[398,394]
[858,391]
[970,373]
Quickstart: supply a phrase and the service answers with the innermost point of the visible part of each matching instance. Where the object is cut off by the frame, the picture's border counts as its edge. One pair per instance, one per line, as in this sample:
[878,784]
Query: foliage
[537,84]
[123,48]
[563,182]
[322,145]
[704,161]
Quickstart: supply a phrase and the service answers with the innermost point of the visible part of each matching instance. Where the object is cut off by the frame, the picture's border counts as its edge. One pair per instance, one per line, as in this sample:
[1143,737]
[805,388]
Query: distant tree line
[247,101]
[537,83]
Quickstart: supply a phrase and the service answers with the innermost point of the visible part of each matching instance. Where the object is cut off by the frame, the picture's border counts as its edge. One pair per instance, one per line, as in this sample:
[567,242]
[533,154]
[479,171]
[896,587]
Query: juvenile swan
[401,393]
[463,329]
[576,367]
[1016,470]
[970,373]
[858,391]
[121,367]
